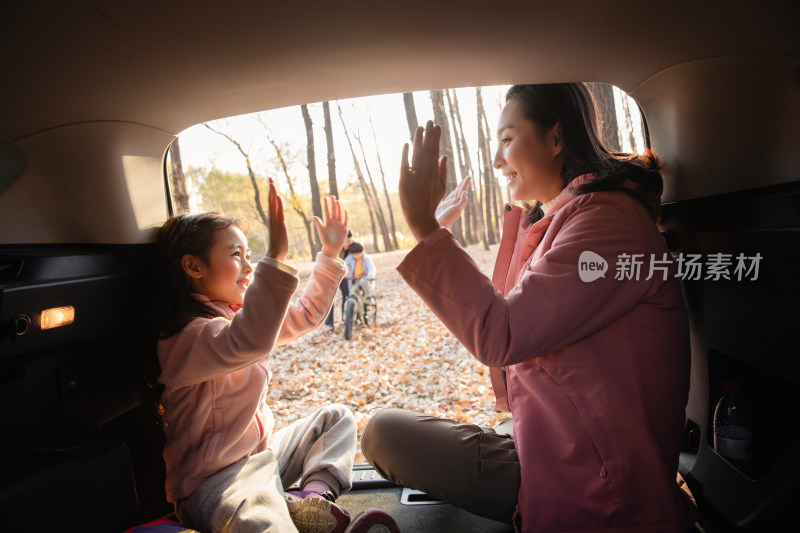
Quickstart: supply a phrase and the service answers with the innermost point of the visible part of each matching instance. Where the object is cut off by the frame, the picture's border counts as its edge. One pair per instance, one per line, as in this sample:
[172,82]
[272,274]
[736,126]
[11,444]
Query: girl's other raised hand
[278,239]
[333,231]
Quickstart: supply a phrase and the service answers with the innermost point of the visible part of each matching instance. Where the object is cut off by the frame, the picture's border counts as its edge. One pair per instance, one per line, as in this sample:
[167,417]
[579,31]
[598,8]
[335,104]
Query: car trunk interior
[82,418]
[83,188]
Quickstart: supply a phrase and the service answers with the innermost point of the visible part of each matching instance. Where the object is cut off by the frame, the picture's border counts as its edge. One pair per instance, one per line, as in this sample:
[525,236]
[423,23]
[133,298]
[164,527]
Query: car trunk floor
[439,517]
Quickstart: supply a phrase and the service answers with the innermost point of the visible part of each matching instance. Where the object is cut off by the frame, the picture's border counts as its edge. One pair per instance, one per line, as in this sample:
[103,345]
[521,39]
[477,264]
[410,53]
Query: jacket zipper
[258,420]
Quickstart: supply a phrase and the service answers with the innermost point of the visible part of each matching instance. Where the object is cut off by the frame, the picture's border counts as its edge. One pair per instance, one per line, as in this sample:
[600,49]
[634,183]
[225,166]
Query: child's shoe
[373,521]
[313,512]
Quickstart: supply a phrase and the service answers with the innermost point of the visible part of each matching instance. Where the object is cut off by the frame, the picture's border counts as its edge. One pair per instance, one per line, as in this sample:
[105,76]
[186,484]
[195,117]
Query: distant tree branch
[261,213]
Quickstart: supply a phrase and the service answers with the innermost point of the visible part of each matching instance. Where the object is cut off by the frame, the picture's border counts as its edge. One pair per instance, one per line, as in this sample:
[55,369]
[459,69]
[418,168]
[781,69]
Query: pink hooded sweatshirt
[596,371]
[216,375]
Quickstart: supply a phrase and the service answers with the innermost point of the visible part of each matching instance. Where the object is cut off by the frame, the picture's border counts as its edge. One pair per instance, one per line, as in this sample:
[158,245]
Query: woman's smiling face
[529,159]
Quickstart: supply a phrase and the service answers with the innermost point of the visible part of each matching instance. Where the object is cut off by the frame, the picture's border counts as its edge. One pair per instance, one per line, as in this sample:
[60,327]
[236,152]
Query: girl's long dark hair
[180,235]
[573,107]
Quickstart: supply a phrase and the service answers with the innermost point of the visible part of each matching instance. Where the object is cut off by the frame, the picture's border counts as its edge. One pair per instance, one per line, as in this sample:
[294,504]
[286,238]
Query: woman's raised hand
[333,232]
[422,184]
[453,205]
[278,239]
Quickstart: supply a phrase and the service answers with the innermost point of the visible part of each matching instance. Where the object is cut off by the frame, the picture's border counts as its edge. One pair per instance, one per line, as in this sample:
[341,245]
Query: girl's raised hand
[453,205]
[422,184]
[278,239]
[332,232]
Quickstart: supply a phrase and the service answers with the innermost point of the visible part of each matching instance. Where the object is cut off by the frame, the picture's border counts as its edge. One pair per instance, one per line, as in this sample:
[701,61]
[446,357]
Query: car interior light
[57,316]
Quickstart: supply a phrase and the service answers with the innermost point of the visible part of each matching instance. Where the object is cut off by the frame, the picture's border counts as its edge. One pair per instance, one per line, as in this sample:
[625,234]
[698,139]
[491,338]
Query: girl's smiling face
[530,160]
[226,273]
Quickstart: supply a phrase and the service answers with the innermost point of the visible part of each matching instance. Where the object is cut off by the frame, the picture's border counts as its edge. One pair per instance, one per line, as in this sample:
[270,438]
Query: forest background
[351,149]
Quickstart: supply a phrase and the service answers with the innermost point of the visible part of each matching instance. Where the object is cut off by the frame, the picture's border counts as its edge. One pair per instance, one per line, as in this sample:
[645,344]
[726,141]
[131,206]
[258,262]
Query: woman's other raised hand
[453,205]
[333,231]
[422,184]
[278,239]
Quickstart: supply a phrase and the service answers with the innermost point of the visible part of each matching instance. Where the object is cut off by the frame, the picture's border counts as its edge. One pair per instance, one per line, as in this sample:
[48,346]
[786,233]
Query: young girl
[225,468]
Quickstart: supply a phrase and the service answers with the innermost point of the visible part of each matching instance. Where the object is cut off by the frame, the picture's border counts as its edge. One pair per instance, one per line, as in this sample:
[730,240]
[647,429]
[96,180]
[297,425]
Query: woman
[593,363]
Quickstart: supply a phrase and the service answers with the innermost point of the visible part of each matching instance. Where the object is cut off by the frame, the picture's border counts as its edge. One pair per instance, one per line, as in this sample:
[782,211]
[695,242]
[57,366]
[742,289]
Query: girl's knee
[339,414]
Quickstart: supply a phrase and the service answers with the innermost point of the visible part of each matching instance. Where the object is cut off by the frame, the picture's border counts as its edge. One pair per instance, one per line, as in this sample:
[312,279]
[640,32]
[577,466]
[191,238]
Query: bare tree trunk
[257,194]
[485,154]
[310,233]
[477,217]
[179,189]
[364,191]
[497,194]
[440,117]
[316,206]
[385,189]
[384,227]
[473,204]
[411,114]
[293,199]
[332,185]
[464,163]
[362,182]
[604,95]
[387,243]
[485,225]
[458,148]
[629,124]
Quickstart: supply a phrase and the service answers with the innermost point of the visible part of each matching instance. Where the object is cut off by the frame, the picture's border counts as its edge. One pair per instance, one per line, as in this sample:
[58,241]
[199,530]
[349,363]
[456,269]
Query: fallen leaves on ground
[407,360]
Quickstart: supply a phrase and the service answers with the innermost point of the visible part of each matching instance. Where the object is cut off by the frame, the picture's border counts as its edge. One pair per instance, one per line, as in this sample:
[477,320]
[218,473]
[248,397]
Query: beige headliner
[173,64]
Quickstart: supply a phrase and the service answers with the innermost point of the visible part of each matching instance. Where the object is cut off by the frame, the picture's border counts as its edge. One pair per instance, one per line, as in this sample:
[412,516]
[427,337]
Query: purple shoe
[313,512]
[373,521]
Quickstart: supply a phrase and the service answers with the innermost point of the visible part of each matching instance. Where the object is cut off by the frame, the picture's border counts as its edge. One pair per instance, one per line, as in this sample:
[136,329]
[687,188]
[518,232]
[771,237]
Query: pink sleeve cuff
[279,265]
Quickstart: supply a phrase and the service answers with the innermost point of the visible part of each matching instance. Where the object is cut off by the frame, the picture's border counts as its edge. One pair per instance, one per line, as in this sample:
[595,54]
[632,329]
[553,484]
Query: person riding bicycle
[360,270]
[344,285]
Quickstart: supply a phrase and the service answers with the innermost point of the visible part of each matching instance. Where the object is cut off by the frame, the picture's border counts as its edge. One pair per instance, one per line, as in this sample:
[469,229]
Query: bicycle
[357,308]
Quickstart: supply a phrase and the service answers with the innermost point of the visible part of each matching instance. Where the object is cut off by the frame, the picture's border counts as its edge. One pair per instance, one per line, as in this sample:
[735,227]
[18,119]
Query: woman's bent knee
[382,429]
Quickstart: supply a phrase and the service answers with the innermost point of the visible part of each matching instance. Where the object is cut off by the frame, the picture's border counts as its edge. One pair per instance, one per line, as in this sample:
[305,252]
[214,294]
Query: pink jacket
[216,375]
[597,371]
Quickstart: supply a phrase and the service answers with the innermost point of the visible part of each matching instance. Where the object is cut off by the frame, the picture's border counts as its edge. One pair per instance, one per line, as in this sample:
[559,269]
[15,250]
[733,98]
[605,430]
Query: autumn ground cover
[408,360]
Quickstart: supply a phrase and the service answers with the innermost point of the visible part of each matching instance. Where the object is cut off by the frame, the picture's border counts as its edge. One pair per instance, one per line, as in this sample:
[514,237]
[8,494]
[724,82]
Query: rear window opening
[351,149]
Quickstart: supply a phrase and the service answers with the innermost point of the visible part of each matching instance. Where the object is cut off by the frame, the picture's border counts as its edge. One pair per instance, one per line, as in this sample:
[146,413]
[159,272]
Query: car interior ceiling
[94,93]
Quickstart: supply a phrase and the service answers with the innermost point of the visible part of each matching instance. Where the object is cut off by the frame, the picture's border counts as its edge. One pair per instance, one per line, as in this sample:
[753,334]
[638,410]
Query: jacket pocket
[497,451]
[587,394]
[216,434]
